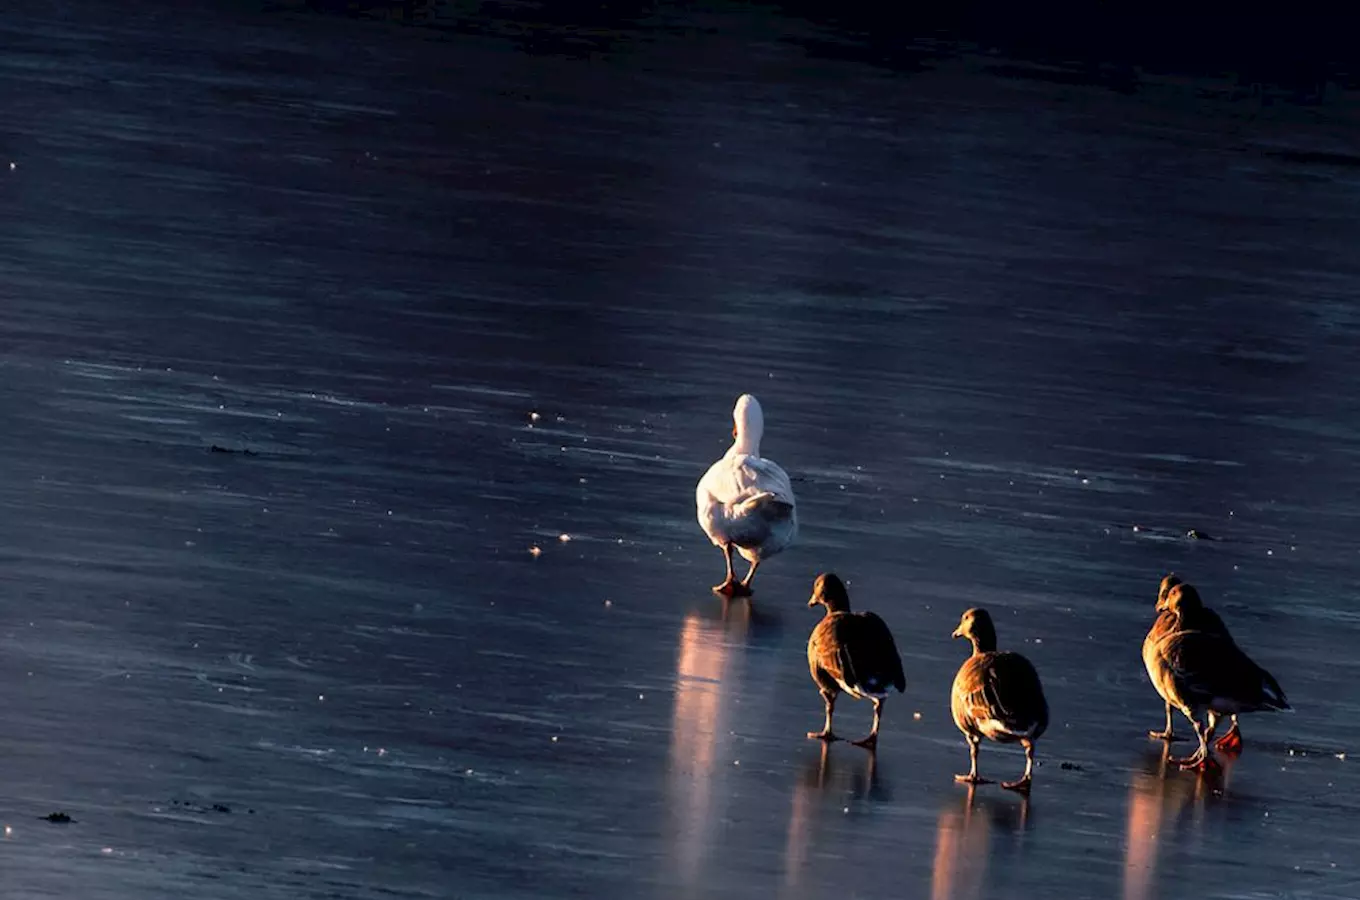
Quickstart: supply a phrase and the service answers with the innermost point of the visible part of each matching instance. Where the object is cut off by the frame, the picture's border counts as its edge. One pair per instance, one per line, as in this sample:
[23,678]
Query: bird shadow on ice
[850,770]
[835,777]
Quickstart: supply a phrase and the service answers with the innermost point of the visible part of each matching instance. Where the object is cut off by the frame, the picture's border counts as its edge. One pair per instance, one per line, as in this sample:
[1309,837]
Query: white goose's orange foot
[732,589]
[828,736]
[971,779]
[1023,785]
[868,743]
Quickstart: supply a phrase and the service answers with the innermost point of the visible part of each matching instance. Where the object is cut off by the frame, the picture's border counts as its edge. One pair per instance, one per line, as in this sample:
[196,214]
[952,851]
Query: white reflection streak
[962,845]
[699,724]
[1143,830]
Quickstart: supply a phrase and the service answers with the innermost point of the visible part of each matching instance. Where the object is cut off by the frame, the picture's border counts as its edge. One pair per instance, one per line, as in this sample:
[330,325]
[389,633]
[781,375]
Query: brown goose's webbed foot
[1201,760]
[1230,742]
[871,742]
[828,736]
[1023,783]
[1167,733]
[970,778]
[1205,764]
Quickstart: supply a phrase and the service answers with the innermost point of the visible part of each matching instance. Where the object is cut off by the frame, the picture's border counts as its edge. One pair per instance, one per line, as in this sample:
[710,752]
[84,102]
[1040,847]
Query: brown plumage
[998,696]
[1197,666]
[1166,621]
[850,652]
[1203,619]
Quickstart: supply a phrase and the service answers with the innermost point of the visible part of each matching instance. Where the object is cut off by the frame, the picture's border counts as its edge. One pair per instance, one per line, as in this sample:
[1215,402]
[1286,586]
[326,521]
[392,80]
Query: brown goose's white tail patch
[1274,695]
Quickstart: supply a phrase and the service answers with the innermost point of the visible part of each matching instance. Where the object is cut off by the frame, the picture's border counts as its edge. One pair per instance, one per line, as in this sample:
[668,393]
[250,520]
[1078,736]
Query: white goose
[746,502]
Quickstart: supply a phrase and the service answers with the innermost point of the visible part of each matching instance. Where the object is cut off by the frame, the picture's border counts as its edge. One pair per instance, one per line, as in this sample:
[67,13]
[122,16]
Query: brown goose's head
[829,591]
[1169,582]
[1183,601]
[976,625]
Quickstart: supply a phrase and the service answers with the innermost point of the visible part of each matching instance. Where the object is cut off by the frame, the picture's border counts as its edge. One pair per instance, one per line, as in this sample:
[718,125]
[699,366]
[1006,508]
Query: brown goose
[851,652]
[1198,666]
[998,696]
[1163,626]
[1203,619]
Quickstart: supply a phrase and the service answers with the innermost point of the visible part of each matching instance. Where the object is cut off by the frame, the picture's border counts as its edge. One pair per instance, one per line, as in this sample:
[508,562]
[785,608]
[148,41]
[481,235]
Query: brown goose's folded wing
[1207,668]
[1015,694]
[866,655]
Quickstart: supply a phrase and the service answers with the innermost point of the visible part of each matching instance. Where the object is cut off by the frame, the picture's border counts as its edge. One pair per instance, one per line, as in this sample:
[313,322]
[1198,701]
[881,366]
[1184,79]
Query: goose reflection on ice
[854,775]
[1159,798]
[963,842]
[711,656]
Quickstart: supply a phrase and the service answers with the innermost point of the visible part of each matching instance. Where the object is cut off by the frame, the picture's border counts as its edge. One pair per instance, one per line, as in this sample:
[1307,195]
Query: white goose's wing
[759,475]
[733,481]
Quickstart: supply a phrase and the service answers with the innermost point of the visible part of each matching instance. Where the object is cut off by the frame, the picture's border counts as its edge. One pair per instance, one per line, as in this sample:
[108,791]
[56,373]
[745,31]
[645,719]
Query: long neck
[1190,618]
[836,605]
[747,442]
[984,641]
[750,425]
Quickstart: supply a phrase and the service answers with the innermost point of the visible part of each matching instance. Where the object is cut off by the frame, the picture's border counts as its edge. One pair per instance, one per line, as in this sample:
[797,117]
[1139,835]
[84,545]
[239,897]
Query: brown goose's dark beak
[814,600]
[958,632]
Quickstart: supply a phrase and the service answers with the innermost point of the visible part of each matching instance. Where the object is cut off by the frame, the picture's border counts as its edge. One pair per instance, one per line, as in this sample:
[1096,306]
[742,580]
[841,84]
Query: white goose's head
[748,425]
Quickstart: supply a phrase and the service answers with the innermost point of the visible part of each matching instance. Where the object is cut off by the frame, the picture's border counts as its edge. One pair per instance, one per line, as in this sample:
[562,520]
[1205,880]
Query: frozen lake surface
[1013,337]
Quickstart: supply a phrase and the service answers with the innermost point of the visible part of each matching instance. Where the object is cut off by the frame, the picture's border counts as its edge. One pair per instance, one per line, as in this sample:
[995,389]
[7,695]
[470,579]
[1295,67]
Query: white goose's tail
[766,504]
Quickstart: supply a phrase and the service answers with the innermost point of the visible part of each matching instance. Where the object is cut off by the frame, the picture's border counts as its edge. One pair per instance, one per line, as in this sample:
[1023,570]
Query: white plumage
[745,502]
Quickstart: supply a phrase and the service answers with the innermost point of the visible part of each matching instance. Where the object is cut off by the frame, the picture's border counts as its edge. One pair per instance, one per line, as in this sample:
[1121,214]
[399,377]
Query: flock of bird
[746,505]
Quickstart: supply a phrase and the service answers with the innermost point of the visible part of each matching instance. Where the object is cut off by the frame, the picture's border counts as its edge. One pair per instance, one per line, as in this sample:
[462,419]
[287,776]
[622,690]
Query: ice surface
[995,325]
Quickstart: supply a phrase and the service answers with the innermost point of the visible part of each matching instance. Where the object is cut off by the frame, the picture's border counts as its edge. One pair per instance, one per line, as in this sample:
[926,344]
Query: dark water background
[998,316]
